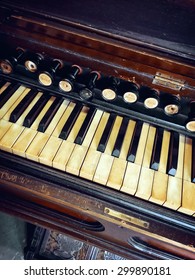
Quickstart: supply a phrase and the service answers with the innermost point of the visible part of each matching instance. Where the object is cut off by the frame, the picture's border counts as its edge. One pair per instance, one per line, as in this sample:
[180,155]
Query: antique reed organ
[97,122]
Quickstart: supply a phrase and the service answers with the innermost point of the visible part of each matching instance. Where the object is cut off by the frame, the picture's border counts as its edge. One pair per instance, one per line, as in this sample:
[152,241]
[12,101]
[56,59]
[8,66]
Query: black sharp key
[106,133]
[85,126]
[156,152]
[21,107]
[173,154]
[36,109]
[2,83]
[193,160]
[7,93]
[120,138]
[47,118]
[134,142]
[70,122]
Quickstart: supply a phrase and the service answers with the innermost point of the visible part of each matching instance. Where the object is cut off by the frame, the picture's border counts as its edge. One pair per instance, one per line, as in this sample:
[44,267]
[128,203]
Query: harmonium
[97,122]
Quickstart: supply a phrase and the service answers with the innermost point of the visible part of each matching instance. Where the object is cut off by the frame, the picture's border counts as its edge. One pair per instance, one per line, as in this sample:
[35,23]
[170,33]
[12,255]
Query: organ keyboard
[108,134]
[131,156]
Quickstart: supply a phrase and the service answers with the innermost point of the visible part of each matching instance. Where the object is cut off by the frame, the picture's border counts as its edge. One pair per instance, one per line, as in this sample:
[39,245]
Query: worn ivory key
[10,137]
[40,139]
[78,154]
[92,156]
[51,147]
[4,125]
[28,134]
[174,189]
[132,172]
[146,175]
[117,172]
[11,101]
[188,194]
[74,154]
[105,163]
[160,183]
[15,129]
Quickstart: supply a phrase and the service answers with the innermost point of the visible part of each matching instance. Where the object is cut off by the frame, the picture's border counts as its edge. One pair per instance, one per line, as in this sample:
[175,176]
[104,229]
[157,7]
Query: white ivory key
[11,101]
[92,156]
[146,175]
[188,193]
[132,172]
[160,183]
[79,153]
[35,148]
[174,188]
[105,162]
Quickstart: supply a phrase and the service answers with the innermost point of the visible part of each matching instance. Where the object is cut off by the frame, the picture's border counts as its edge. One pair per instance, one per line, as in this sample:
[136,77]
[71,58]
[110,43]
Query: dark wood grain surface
[168,24]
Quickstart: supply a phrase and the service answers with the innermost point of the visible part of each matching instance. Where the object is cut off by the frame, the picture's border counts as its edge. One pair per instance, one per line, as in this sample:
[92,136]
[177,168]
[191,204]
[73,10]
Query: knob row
[46,77]
[130,91]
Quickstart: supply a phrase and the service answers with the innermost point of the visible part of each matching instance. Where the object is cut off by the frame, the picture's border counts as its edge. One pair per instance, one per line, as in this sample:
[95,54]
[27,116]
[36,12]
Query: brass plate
[126,218]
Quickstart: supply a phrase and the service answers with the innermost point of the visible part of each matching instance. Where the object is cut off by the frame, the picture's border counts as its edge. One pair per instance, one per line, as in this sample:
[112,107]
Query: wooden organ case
[97,122]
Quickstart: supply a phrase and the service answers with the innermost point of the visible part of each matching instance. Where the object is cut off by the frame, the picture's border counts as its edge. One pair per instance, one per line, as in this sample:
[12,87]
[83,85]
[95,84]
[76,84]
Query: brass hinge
[168,81]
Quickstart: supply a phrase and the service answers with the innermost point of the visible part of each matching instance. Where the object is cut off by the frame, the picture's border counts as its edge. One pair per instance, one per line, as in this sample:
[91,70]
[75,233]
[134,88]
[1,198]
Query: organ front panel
[97,136]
